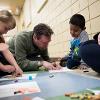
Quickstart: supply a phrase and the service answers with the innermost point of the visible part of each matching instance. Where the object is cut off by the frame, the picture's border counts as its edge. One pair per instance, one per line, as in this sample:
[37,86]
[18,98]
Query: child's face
[75,30]
[4,27]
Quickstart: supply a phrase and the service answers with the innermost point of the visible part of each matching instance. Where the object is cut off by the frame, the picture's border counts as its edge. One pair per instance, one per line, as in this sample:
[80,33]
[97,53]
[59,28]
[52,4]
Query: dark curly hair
[78,20]
[95,37]
[42,29]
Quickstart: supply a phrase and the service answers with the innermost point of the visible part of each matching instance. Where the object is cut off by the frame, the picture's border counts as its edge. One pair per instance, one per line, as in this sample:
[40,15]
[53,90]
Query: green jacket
[25,51]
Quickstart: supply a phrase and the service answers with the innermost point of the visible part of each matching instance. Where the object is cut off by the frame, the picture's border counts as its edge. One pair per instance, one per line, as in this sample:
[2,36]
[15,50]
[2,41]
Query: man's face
[75,30]
[42,42]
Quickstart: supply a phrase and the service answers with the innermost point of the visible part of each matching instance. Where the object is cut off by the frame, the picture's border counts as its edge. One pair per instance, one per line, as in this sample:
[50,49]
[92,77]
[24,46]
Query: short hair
[78,20]
[7,17]
[42,29]
[95,37]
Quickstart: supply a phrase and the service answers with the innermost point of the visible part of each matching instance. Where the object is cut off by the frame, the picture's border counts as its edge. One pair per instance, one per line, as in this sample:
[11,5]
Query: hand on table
[56,65]
[18,72]
[51,66]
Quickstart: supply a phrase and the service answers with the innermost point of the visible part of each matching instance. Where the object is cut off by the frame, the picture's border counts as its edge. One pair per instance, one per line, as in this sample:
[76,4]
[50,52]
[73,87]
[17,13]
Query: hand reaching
[18,72]
[56,65]
[48,65]
[51,66]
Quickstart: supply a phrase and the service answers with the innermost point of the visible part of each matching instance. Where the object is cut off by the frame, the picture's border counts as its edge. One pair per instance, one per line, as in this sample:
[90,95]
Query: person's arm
[7,68]
[9,57]
[7,54]
[3,46]
[47,63]
[84,37]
